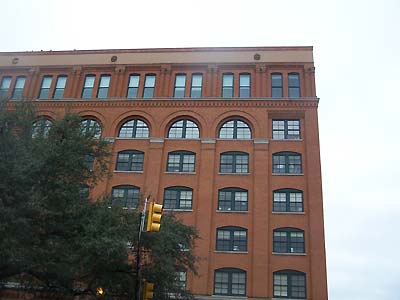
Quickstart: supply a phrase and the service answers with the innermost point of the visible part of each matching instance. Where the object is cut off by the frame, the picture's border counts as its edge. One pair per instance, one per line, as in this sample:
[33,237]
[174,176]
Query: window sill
[240,174]
[289,254]
[178,210]
[231,252]
[287,174]
[181,173]
[287,140]
[288,212]
[232,211]
[131,138]
[137,172]
[183,139]
[223,297]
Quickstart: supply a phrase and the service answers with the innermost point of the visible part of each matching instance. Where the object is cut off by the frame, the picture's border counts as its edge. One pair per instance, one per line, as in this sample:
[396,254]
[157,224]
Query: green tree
[53,237]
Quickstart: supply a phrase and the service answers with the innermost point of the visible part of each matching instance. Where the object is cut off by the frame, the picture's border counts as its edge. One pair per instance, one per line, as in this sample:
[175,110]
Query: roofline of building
[160,50]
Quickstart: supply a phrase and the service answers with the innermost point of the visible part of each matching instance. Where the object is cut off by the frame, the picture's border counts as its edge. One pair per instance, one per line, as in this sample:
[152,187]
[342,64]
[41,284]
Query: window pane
[89,81]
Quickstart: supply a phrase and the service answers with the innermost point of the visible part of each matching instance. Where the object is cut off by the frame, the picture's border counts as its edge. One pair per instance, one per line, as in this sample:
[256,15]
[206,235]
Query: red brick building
[225,137]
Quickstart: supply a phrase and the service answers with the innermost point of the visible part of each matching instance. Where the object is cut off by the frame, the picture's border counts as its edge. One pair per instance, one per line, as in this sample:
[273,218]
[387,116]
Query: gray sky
[356,50]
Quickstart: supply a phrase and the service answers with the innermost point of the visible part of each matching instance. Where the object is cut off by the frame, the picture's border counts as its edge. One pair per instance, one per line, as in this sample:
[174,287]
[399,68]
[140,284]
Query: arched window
[125,195]
[288,200]
[178,197]
[231,238]
[230,282]
[91,127]
[232,199]
[184,129]
[41,128]
[129,160]
[234,162]
[134,129]
[181,161]
[288,240]
[235,129]
[286,163]
[289,284]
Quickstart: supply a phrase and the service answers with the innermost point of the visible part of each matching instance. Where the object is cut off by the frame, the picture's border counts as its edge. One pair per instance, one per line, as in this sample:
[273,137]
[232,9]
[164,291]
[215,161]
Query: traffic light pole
[139,251]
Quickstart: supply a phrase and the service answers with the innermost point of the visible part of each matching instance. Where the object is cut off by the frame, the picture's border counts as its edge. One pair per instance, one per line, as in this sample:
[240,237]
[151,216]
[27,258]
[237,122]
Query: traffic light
[154,217]
[148,292]
[100,293]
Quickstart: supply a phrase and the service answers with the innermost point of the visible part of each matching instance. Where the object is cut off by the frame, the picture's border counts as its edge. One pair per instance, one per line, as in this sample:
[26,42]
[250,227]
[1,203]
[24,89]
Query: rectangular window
[234,162]
[286,129]
[244,86]
[232,199]
[45,87]
[133,86]
[230,282]
[60,87]
[181,280]
[102,91]
[286,163]
[149,84]
[180,84]
[5,86]
[19,87]
[276,85]
[197,82]
[88,86]
[181,161]
[227,85]
[294,85]
[231,239]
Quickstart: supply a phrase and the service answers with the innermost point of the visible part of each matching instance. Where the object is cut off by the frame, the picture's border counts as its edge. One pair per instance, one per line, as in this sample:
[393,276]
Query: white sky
[356,50]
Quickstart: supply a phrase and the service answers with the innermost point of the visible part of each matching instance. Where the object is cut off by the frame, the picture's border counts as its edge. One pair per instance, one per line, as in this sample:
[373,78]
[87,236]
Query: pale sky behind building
[357,58]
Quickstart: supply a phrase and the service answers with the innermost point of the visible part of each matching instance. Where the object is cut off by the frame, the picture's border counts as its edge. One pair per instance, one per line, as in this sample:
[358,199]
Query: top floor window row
[191,85]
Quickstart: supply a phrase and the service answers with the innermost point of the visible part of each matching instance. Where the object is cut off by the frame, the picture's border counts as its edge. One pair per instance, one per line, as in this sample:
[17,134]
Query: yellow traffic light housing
[148,292]
[154,217]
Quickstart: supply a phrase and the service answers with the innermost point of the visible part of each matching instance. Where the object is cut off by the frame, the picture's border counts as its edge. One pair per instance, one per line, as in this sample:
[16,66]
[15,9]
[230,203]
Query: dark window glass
[231,239]
[149,84]
[230,282]
[286,129]
[288,200]
[184,129]
[234,162]
[197,83]
[130,160]
[91,127]
[180,84]
[134,129]
[133,86]
[41,128]
[232,199]
[181,161]
[45,87]
[178,197]
[288,240]
[125,196]
[227,85]
[244,86]
[235,129]
[5,86]
[286,163]
[276,85]
[84,192]
[294,85]
[60,87]
[102,91]
[289,284]
[88,86]
[181,280]
[89,162]
[18,87]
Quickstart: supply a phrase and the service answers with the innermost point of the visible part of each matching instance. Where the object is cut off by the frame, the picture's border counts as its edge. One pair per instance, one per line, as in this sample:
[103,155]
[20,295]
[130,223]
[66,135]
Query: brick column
[117,88]
[260,90]
[31,83]
[71,90]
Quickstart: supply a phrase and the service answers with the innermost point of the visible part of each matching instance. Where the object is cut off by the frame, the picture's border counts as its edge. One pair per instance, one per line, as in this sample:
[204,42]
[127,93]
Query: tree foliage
[52,237]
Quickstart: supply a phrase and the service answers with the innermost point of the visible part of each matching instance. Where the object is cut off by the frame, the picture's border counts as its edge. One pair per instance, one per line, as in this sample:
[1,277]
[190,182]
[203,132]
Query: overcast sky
[356,51]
